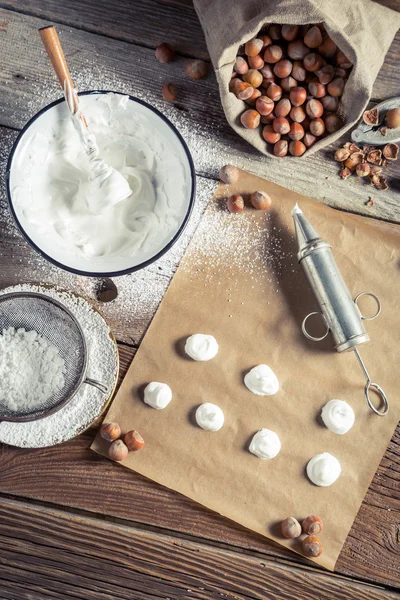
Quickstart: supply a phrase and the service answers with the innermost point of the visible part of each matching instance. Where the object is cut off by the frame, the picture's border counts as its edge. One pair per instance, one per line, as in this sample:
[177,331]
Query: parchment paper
[257,320]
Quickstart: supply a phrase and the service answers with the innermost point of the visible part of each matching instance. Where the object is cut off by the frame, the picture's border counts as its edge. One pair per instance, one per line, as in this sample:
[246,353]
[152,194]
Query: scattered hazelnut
[309,139]
[165,53]
[256,62]
[317,127]
[313,37]
[314,108]
[374,157]
[363,170]
[370,201]
[197,69]
[273,54]
[296,131]
[333,122]
[312,547]
[291,528]
[297,114]
[342,60]
[118,451]
[133,440]
[298,71]
[229,174]
[281,125]
[390,151]
[312,525]
[345,173]
[250,119]
[325,74]
[253,77]
[297,96]
[260,200]
[327,48]
[297,148]
[170,92]
[317,89]
[354,159]
[253,98]
[264,105]
[283,68]
[297,50]
[282,109]
[235,203]
[240,65]
[287,83]
[106,290]
[110,431]
[330,103]
[393,118]
[289,32]
[336,86]
[274,31]
[281,148]
[313,62]
[274,92]
[253,47]
[270,135]
[342,154]
[379,182]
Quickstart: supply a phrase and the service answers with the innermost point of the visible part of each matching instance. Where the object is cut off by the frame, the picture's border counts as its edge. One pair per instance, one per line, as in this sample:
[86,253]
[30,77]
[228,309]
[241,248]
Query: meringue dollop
[265,444]
[157,395]
[209,417]
[338,416]
[261,380]
[323,469]
[202,347]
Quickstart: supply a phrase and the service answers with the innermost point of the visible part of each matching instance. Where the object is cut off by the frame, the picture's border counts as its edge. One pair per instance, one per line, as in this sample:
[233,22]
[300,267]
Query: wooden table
[74,525]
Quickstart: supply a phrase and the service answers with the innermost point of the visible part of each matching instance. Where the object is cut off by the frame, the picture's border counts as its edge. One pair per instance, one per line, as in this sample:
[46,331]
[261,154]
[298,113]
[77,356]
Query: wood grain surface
[48,553]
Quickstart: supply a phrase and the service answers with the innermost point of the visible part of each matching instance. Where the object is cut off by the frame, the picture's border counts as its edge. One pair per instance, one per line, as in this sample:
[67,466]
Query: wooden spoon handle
[55,52]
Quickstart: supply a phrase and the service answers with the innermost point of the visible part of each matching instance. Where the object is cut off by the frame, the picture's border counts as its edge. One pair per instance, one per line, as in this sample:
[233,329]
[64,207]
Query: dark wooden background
[72,524]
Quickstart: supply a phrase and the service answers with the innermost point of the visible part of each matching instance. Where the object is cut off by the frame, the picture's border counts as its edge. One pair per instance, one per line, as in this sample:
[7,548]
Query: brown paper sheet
[256,319]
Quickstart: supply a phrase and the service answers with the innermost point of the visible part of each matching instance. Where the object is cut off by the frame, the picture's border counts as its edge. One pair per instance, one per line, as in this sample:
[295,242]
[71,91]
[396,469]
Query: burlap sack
[362,29]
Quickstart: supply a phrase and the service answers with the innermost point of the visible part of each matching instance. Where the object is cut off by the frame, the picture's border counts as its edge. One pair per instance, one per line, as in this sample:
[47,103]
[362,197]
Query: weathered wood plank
[96,63]
[44,549]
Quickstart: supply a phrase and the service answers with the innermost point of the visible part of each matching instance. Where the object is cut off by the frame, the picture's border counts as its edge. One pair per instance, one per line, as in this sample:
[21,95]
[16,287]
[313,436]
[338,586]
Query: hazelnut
[296,131]
[241,89]
[336,86]
[312,525]
[297,114]
[275,31]
[379,182]
[314,108]
[281,125]
[374,157]
[267,72]
[270,135]
[235,203]
[266,40]
[250,119]
[274,92]
[253,77]
[253,98]
[354,159]
[325,74]
[197,69]
[164,53]
[327,48]
[289,32]
[282,109]
[363,170]
[170,92]
[317,89]
[267,81]
[229,174]
[297,148]
[342,154]
[341,73]
[253,47]
[133,440]
[291,528]
[240,65]
[256,62]
[313,62]
[345,173]
[330,103]
[267,119]
[110,431]
[297,50]
[393,118]
[312,547]
[313,37]
[333,122]
[309,139]
[306,123]
[260,200]
[297,96]
[118,450]
[264,105]
[287,83]
[342,61]
[391,151]
[298,72]
[283,68]
[273,54]
[281,148]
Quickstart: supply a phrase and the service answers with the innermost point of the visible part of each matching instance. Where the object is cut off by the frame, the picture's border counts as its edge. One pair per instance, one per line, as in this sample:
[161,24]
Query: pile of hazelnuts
[310,527]
[292,77]
[120,446]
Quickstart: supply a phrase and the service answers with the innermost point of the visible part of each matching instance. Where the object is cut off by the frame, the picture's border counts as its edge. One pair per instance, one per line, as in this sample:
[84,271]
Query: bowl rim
[128,270]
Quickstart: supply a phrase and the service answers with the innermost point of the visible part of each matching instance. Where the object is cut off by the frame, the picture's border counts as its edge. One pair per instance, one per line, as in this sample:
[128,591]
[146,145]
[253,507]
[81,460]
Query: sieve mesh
[54,322]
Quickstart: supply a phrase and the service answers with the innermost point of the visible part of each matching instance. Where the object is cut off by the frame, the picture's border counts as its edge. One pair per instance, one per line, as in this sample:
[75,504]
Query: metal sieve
[53,321]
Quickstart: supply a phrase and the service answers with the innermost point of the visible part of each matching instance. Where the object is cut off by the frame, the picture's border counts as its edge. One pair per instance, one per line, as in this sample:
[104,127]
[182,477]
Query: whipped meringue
[157,395]
[338,416]
[323,469]
[261,380]
[265,444]
[200,346]
[209,417]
